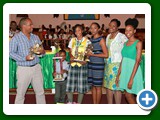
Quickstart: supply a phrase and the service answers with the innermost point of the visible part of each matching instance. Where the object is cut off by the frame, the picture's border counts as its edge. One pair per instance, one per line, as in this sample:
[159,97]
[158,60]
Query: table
[47,69]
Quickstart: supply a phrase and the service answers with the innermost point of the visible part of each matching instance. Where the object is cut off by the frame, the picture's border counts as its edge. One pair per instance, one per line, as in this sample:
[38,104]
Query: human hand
[90,53]
[62,71]
[30,57]
[54,74]
[130,84]
[82,62]
[117,81]
[72,59]
[40,51]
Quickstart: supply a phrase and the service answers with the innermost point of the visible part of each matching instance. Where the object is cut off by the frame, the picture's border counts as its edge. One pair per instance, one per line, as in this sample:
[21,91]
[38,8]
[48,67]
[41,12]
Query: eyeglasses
[29,25]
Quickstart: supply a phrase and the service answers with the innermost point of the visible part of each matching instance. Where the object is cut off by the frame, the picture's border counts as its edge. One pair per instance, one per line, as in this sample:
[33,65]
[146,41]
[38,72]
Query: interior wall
[46,19]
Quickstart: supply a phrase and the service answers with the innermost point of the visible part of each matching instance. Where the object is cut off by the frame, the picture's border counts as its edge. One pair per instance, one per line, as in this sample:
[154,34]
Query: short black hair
[13,22]
[132,21]
[80,26]
[23,21]
[70,31]
[117,21]
[96,24]
[62,51]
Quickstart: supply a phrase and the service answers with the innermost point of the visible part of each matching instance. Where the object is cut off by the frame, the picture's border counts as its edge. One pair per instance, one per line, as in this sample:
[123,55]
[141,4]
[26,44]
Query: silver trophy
[31,53]
[58,76]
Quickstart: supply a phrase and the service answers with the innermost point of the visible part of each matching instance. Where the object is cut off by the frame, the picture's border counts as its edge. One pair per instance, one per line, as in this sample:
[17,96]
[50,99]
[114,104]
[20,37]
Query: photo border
[89,8]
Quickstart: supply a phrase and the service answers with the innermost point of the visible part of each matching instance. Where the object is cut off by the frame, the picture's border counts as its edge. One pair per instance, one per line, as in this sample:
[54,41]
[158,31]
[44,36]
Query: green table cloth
[47,69]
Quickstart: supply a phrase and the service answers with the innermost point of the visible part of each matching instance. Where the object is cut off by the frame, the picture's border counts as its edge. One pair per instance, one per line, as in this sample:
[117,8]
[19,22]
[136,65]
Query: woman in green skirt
[129,76]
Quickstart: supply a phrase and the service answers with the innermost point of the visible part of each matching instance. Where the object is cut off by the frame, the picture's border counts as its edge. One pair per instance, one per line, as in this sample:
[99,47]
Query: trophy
[79,56]
[82,56]
[31,53]
[35,50]
[37,47]
[57,69]
[56,43]
[89,49]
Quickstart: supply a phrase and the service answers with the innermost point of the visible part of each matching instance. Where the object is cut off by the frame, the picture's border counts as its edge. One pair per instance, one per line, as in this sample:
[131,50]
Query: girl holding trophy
[77,80]
[96,64]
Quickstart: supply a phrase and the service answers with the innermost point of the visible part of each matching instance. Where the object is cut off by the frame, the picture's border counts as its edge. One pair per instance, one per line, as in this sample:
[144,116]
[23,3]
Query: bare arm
[119,70]
[104,49]
[70,54]
[118,74]
[64,71]
[136,65]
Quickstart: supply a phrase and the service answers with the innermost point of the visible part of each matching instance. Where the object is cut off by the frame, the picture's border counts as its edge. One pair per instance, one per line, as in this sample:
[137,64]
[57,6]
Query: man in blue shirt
[29,69]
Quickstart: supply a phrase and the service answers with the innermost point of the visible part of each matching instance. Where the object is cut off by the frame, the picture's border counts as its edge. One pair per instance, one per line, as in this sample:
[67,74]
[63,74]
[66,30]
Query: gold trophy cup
[37,47]
[89,49]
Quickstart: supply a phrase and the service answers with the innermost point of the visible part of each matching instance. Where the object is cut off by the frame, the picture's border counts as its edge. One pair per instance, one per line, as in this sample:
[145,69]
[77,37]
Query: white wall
[46,19]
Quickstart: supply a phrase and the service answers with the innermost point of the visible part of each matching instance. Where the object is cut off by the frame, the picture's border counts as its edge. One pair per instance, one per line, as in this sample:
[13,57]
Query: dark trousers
[60,91]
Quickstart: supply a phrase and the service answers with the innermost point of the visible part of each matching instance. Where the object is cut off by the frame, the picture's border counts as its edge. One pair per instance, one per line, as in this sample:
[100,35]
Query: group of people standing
[122,68]
[113,63]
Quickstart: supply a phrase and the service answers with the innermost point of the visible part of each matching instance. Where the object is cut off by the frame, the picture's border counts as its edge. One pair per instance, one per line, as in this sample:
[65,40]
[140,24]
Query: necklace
[78,43]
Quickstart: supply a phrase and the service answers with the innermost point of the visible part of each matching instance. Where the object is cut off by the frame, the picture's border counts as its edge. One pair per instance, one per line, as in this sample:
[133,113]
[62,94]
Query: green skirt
[126,71]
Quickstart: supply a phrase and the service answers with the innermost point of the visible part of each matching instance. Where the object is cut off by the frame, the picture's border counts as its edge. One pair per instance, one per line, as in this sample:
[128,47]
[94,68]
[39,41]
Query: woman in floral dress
[114,42]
